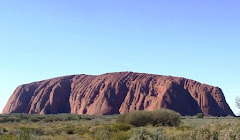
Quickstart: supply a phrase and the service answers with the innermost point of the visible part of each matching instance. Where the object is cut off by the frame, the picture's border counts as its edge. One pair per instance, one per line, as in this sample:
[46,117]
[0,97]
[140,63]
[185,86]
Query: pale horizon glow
[198,40]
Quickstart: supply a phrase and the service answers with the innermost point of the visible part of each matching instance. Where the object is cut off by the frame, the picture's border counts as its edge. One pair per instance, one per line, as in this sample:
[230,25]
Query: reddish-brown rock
[115,93]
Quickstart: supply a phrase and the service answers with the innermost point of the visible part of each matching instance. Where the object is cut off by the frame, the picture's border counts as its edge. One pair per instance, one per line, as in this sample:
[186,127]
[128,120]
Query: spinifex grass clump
[200,115]
[162,117]
[143,134]
[112,132]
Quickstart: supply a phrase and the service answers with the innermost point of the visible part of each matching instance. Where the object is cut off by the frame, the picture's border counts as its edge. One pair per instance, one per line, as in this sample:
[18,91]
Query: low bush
[34,119]
[86,117]
[25,134]
[156,118]
[166,117]
[121,118]
[200,115]
[211,132]
[66,130]
[36,131]
[6,119]
[3,130]
[48,119]
[81,130]
[122,126]
[112,132]
[139,118]
[103,133]
[232,133]
[8,137]
[184,128]
[143,134]
[78,117]
[121,135]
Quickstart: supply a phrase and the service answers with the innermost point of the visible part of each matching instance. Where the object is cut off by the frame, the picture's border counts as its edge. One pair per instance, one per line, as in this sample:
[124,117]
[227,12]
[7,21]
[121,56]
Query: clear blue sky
[43,39]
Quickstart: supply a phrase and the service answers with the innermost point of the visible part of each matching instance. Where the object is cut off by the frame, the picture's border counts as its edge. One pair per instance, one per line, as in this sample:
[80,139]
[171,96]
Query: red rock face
[115,93]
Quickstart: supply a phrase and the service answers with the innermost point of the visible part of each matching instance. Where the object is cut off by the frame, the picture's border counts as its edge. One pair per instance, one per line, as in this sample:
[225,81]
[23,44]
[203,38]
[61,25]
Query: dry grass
[72,127]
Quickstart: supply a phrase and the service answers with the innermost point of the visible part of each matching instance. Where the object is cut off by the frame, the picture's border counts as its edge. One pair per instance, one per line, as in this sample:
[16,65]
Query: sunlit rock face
[117,93]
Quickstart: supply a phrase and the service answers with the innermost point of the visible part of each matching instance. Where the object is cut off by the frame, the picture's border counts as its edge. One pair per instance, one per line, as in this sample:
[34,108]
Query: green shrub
[166,117]
[78,117]
[122,126]
[6,119]
[81,130]
[87,117]
[66,130]
[143,134]
[231,133]
[120,135]
[36,131]
[121,118]
[25,134]
[8,137]
[3,130]
[214,132]
[157,135]
[156,118]
[19,116]
[34,119]
[184,128]
[139,118]
[203,133]
[103,133]
[48,119]
[200,115]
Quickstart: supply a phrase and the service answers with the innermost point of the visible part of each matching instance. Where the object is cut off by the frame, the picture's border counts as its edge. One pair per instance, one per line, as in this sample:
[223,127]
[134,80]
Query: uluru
[117,93]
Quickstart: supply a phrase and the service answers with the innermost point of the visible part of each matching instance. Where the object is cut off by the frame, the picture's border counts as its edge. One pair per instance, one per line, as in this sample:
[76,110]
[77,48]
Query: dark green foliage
[81,130]
[20,116]
[3,130]
[122,126]
[25,134]
[159,117]
[143,134]
[121,135]
[48,120]
[121,118]
[6,119]
[34,119]
[200,115]
[111,132]
[8,137]
[78,117]
[86,117]
[139,118]
[66,130]
[103,133]
[166,117]
[14,118]
[44,118]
